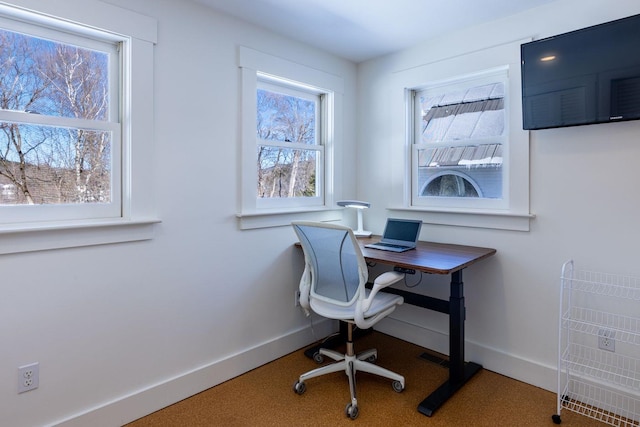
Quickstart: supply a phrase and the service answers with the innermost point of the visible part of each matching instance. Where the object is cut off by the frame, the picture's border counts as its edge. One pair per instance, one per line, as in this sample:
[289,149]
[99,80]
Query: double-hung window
[460,154]
[460,141]
[290,135]
[76,125]
[60,130]
[290,147]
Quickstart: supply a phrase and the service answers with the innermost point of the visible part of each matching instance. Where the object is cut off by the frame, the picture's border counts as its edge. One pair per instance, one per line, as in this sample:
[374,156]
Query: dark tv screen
[582,77]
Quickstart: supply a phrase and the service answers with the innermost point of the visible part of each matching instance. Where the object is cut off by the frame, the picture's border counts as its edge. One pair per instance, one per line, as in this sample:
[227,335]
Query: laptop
[399,235]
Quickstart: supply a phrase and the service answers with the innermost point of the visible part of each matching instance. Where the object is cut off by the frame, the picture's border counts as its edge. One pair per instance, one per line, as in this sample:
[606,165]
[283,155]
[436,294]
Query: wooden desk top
[429,257]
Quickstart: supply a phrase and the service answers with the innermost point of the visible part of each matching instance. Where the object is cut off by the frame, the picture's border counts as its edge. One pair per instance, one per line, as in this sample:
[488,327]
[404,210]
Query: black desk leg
[459,371]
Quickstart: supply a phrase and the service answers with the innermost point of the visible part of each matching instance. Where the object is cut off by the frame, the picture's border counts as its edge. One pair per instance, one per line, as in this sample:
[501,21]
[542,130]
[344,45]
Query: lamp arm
[360,229]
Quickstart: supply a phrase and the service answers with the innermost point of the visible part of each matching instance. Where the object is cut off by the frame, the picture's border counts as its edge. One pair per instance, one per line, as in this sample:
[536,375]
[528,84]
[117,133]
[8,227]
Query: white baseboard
[510,365]
[139,403]
[127,408]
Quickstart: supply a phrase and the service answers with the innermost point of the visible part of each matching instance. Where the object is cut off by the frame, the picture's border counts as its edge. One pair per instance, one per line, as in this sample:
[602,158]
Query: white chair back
[336,268]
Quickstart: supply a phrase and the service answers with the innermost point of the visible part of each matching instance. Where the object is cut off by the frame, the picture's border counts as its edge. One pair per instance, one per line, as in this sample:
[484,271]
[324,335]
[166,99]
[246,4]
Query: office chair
[333,286]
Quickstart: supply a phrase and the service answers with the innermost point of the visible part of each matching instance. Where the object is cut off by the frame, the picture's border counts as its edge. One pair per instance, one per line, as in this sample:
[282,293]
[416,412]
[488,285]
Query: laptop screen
[406,230]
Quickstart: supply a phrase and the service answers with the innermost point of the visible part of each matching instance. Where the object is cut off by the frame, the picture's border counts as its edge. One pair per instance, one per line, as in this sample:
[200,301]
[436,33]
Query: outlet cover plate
[606,340]
[28,377]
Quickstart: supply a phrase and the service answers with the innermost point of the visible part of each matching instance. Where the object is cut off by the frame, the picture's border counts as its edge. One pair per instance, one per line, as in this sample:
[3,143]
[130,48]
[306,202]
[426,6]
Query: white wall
[124,329]
[583,192]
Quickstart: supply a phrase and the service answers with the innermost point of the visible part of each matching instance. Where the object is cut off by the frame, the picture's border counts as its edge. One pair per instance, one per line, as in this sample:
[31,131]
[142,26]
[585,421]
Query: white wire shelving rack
[599,346]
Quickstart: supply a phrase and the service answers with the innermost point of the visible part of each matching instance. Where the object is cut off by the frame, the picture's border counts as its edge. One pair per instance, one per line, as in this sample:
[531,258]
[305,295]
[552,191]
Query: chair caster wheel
[397,386]
[318,358]
[299,387]
[351,411]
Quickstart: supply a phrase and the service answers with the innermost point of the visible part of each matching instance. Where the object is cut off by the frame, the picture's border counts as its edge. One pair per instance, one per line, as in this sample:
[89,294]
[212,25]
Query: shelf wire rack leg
[565,281]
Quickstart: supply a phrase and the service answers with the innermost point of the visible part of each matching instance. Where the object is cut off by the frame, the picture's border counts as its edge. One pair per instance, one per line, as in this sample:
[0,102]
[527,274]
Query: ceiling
[363,29]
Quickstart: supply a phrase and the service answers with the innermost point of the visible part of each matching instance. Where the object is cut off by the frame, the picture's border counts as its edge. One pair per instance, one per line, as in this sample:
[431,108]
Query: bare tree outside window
[43,163]
[286,126]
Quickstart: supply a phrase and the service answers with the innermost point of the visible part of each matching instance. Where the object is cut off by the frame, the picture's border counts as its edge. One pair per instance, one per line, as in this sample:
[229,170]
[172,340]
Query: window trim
[254,64]
[137,220]
[516,215]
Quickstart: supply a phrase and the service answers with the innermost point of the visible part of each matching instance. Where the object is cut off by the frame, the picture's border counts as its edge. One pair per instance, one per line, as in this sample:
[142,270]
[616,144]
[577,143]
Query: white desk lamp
[359,206]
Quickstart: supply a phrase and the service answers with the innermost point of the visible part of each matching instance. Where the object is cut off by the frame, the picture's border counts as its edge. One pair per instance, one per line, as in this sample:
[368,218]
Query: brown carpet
[265,397]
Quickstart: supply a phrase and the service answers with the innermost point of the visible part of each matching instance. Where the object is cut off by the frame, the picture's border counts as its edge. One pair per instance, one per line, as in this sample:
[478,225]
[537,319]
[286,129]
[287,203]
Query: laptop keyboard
[389,245]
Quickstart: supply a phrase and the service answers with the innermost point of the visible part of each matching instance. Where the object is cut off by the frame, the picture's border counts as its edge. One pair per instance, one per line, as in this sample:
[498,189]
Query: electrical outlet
[296,302]
[28,377]
[606,340]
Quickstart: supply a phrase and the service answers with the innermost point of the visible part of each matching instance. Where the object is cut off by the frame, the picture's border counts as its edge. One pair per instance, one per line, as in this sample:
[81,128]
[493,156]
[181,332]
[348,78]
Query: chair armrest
[382,281]
[387,279]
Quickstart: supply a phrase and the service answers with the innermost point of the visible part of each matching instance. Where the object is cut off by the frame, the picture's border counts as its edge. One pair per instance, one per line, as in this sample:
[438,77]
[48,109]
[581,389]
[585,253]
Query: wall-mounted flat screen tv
[582,77]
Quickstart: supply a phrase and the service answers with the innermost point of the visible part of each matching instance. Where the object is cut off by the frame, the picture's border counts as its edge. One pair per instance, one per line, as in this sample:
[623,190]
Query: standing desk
[437,258]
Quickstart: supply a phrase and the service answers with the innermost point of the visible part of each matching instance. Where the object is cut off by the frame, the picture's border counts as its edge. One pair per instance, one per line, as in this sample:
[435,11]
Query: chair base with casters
[350,363]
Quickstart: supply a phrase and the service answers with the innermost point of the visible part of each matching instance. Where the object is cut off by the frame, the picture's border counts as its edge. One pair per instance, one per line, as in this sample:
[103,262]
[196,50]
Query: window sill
[278,218]
[500,220]
[30,237]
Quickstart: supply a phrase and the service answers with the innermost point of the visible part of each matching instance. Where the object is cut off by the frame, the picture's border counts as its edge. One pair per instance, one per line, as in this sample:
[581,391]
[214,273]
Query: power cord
[413,285]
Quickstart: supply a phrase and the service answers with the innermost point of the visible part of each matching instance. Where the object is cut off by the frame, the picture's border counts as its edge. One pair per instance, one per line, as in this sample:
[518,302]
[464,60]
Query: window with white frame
[68,88]
[460,154]
[60,130]
[289,128]
[460,141]
[289,143]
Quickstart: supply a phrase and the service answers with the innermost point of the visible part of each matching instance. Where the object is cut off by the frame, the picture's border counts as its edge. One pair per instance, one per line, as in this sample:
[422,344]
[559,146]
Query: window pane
[44,77]
[54,165]
[286,118]
[450,186]
[474,113]
[478,165]
[285,172]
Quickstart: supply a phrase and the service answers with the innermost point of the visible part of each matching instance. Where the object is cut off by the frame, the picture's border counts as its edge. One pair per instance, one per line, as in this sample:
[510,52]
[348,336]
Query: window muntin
[60,134]
[290,152]
[459,143]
